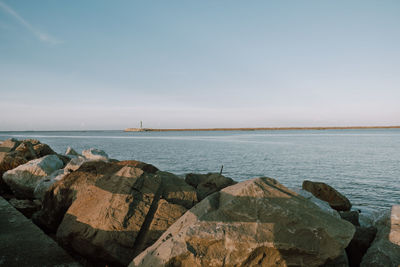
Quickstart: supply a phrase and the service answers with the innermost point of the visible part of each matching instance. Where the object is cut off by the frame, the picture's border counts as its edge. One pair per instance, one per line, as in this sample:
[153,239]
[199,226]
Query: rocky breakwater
[111,211]
[385,249]
[252,223]
[14,153]
[120,213]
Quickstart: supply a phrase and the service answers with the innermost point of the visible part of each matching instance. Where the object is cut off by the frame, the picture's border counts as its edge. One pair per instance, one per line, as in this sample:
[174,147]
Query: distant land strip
[259,129]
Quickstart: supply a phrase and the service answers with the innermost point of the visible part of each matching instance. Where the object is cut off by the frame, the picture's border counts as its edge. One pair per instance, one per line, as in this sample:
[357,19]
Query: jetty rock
[70,152]
[95,154]
[323,205]
[258,222]
[74,164]
[385,249]
[206,184]
[327,193]
[109,212]
[23,179]
[46,182]
[14,153]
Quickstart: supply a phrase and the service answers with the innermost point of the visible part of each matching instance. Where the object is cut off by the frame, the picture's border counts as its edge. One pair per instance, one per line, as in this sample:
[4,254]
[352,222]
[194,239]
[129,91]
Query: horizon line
[222,128]
[259,128]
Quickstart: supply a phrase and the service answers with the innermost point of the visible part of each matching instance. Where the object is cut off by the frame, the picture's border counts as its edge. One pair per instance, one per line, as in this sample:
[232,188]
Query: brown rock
[206,184]
[110,212]
[25,149]
[327,193]
[385,249]
[138,164]
[42,150]
[258,222]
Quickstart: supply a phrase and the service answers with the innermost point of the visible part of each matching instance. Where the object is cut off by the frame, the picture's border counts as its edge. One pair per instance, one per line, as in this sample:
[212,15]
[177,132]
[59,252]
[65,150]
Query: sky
[74,65]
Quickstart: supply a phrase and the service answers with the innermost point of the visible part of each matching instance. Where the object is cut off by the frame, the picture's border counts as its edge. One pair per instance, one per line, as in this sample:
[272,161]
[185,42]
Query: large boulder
[23,179]
[110,212]
[206,184]
[323,205]
[385,250]
[95,154]
[46,182]
[327,193]
[14,153]
[258,222]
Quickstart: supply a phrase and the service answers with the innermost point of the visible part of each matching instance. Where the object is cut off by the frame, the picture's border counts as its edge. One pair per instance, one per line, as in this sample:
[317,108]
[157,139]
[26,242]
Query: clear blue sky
[109,64]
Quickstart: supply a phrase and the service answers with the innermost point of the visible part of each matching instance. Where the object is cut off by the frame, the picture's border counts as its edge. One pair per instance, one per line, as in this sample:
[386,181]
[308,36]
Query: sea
[362,164]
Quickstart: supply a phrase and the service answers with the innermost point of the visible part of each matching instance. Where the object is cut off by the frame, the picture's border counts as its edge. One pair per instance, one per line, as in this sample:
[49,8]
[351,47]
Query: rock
[9,145]
[206,184]
[358,246]
[42,150]
[341,261]
[25,149]
[71,152]
[350,216]
[25,206]
[95,154]
[323,205]
[385,249]
[258,222]
[74,164]
[138,164]
[14,153]
[110,212]
[327,193]
[64,159]
[24,179]
[45,183]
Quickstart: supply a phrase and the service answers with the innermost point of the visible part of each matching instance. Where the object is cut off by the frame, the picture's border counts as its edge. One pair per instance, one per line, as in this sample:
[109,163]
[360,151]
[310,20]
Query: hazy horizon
[101,65]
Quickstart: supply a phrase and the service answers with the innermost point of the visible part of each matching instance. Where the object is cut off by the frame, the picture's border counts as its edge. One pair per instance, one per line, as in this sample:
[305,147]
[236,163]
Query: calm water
[362,164]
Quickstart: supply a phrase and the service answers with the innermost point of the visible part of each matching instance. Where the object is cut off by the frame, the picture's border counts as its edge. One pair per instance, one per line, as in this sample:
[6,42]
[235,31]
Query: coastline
[259,129]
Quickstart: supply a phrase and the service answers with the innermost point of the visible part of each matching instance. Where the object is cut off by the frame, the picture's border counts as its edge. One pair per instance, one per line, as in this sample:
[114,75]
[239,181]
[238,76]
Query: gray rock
[385,250]
[24,179]
[45,183]
[71,152]
[351,216]
[95,154]
[323,205]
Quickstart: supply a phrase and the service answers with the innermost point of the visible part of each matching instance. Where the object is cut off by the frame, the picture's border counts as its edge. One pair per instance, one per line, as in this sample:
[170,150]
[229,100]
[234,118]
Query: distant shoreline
[259,129]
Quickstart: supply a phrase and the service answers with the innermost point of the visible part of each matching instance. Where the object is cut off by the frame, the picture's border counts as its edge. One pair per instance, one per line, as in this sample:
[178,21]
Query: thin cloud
[44,37]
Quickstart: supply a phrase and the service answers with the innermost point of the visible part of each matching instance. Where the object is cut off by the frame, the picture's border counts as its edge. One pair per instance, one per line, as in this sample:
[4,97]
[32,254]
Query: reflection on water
[362,164]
